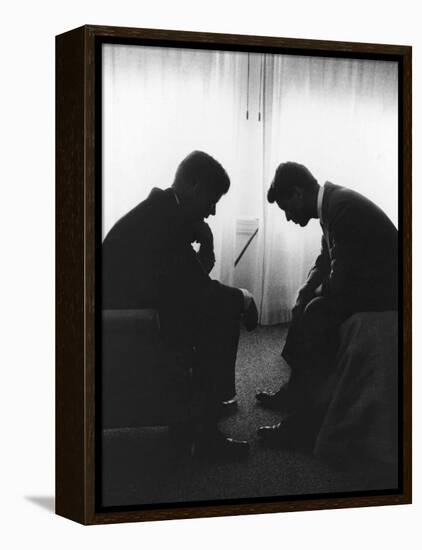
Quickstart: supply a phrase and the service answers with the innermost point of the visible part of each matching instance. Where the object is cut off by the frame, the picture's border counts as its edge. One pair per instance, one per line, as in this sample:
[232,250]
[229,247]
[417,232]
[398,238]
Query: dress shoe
[215,446]
[232,401]
[227,408]
[270,433]
[290,433]
[276,400]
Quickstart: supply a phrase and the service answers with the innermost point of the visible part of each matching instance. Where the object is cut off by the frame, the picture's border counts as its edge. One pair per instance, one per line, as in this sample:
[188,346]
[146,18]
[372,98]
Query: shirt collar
[319,202]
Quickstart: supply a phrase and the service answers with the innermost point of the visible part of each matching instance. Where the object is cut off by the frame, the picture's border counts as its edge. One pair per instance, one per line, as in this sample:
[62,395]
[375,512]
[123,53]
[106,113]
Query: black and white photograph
[249,274]
[209,285]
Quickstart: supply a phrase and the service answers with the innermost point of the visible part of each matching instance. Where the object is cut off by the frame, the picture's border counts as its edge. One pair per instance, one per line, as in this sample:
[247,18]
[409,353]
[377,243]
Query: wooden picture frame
[78,187]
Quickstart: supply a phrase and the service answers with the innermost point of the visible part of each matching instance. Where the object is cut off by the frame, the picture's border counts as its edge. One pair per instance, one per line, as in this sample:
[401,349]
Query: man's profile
[149,261]
[356,271]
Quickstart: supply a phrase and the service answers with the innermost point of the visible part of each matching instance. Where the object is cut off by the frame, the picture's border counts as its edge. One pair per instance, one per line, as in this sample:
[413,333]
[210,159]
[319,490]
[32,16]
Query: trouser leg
[294,350]
[216,346]
[214,337]
[312,342]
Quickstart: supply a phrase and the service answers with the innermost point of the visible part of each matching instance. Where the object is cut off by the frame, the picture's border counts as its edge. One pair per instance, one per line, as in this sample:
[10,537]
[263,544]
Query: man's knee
[317,309]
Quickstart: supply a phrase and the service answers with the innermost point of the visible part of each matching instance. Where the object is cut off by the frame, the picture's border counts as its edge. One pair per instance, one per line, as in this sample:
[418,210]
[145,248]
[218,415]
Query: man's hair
[288,176]
[200,168]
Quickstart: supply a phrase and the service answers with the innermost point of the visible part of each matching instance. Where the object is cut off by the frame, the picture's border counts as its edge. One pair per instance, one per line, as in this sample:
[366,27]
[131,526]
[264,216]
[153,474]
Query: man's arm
[188,282]
[202,234]
[316,277]
[350,253]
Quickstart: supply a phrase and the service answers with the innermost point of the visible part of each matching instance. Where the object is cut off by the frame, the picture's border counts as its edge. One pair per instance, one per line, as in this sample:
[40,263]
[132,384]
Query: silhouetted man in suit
[149,261]
[356,271]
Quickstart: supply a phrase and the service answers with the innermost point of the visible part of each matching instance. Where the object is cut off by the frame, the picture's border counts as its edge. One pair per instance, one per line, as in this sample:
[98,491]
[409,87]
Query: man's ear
[191,189]
[298,191]
[195,187]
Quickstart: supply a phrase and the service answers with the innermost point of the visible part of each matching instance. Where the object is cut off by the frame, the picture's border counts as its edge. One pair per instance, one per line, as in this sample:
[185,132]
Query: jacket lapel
[328,189]
[325,211]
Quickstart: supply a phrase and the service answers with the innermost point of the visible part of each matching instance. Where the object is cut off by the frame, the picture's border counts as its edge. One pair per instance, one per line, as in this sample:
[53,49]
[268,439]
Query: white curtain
[339,118]
[336,116]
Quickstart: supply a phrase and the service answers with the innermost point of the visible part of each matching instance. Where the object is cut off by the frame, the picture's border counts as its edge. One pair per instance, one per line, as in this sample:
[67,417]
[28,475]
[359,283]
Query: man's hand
[250,314]
[206,258]
[303,299]
[299,307]
[202,234]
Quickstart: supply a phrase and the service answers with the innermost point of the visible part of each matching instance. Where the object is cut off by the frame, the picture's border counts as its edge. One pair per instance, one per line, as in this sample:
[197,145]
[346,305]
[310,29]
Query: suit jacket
[148,261]
[358,263]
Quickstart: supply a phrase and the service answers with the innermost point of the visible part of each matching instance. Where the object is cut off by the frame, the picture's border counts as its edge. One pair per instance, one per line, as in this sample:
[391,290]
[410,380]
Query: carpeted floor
[140,466]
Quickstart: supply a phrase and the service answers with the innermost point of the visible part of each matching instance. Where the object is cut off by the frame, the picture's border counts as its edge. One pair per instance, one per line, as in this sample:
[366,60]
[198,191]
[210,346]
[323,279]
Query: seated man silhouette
[356,271]
[149,261]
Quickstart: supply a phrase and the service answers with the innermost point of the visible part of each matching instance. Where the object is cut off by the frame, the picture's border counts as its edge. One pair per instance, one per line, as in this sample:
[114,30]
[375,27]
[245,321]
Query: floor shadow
[46,502]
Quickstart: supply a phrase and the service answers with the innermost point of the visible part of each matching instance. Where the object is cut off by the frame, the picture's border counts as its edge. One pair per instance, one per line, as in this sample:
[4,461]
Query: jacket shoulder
[150,210]
[346,207]
[342,199]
